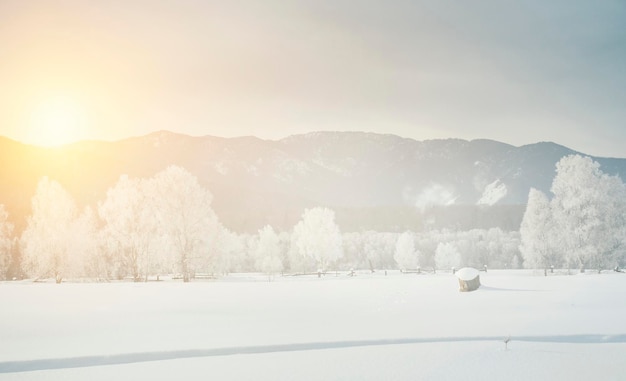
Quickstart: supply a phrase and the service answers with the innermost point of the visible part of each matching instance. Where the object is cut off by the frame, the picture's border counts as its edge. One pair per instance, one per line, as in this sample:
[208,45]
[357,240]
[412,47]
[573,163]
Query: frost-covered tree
[130,232]
[49,235]
[372,248]
[317,237]
[426,245]
[352,249]
[477,247]
[611,239]
[447,256]
[588,207]
[510,255]
[406,256]
[186,220]
[85,241]
[250,243]
[268,252]
[284,241]
[538,244]
[493,246]
[516,263]
[6,242]
[299,262]
[229,253]
[379,249]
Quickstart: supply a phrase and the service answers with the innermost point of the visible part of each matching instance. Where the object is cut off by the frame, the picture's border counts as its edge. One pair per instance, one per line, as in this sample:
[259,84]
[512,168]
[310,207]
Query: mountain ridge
[367,177]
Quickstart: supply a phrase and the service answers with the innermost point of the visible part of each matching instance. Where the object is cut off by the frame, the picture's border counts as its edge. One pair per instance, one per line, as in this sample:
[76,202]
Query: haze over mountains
[373,181]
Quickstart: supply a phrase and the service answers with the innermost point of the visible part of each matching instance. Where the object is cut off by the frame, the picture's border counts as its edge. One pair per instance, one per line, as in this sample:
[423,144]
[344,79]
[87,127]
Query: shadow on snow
[488,288]
[131,358]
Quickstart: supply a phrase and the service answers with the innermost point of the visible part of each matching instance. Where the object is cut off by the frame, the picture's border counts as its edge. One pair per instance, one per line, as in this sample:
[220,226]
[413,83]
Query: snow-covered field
[368,327]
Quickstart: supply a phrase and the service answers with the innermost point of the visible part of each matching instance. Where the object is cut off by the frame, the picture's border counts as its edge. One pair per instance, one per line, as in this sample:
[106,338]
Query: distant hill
[373,181]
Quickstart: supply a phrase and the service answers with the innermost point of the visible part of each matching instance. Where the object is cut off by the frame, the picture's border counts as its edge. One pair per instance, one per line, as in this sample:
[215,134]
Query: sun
[57,121]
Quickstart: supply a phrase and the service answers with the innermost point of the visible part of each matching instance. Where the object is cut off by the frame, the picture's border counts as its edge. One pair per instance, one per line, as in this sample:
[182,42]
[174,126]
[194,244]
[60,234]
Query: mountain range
[373,181]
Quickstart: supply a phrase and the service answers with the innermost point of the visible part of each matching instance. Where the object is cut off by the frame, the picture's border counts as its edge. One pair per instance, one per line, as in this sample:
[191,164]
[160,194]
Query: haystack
[469,279]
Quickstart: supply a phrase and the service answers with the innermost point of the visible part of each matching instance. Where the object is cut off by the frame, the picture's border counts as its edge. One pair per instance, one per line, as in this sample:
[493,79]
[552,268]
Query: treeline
[165,225]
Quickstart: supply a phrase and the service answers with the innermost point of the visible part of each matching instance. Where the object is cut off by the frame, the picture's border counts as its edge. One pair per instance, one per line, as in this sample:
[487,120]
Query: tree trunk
[185,268]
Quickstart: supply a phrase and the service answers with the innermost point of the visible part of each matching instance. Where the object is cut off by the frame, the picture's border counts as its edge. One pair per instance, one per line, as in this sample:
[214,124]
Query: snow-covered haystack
[469,279]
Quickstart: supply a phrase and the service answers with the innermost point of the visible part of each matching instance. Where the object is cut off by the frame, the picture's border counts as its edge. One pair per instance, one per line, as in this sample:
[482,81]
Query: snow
[493,193]
[467,273]
[435,195]
[367,327]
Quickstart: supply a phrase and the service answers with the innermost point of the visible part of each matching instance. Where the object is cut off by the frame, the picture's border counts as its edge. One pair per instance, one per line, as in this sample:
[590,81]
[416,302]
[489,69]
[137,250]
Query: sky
[515,71]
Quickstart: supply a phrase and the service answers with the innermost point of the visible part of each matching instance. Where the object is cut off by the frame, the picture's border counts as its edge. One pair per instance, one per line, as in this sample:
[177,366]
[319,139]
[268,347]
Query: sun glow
[57,121]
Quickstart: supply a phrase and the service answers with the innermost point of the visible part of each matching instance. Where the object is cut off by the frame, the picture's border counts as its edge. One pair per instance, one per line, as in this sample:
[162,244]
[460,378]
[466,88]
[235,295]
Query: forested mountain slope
[373,181]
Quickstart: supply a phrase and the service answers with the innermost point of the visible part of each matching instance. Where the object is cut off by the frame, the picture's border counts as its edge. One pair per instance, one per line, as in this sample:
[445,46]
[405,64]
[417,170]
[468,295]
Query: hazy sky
[514,71]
